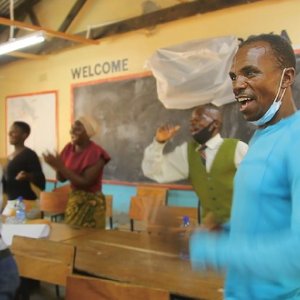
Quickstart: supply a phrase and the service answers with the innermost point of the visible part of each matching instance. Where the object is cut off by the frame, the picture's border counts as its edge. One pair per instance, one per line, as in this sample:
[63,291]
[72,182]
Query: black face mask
[204,134]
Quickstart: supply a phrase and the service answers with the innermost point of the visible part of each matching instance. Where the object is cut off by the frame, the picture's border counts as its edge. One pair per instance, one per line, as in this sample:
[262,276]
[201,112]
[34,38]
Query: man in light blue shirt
[260,254]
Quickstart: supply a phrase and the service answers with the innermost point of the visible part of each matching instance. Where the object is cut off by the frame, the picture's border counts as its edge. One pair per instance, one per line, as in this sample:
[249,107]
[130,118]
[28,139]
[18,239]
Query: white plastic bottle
[20,211]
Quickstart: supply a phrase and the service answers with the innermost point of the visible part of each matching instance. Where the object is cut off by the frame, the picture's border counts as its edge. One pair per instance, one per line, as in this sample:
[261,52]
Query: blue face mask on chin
[273,109]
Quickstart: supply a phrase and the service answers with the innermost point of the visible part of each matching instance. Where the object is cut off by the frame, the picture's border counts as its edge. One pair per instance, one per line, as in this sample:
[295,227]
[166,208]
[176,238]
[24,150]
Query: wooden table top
[142,259]
[61,232]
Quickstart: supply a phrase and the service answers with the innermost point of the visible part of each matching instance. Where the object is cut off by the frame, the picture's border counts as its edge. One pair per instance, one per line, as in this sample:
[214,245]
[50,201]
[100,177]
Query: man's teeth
[243,99]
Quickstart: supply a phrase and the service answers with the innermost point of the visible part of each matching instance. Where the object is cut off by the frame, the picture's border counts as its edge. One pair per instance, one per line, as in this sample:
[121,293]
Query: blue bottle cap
[186,220]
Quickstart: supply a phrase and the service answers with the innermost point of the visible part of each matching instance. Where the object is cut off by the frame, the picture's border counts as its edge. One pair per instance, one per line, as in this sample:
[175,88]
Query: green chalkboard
[128,112]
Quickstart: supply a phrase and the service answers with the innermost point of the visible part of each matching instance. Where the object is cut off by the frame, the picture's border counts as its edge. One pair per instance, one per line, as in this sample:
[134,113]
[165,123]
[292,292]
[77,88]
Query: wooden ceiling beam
[20,12]
[71,15]
[179,11]
[56,45]
[50,32]
[23,8]
[34,19]
[182,10]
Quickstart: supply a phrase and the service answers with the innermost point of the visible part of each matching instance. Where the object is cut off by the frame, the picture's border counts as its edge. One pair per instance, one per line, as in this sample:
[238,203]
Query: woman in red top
[82,162]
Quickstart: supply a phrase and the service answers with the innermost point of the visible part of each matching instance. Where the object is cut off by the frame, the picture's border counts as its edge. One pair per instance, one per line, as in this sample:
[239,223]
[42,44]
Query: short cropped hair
[208,106]
[23,126]
[212,108]
[283,51]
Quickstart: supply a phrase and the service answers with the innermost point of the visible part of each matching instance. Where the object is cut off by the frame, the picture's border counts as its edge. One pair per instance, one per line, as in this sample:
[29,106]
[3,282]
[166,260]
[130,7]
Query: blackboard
[128,111]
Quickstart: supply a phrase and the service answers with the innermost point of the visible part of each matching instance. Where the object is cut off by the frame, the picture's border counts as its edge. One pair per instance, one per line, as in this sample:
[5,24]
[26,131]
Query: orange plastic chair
[53,204]
[63,189]
[145,203]
[152,191]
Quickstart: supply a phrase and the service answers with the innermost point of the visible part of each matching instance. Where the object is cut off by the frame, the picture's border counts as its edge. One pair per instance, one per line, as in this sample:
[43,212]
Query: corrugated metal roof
[4,6]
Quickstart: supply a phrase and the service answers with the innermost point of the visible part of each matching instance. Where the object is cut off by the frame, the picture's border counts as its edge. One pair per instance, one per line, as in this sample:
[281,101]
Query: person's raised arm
[166,132]
[162,167]
[84,180]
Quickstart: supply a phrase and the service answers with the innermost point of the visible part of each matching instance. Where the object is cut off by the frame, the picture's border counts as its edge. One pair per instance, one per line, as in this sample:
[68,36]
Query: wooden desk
[62,232]
[144,260]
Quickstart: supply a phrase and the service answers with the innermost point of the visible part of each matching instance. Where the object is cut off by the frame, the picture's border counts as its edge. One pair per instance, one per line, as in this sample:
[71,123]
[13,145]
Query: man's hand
[210,223]
[166,132]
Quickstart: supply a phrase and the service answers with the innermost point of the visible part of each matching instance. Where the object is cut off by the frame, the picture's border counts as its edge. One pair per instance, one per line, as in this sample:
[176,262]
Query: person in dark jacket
[23,167]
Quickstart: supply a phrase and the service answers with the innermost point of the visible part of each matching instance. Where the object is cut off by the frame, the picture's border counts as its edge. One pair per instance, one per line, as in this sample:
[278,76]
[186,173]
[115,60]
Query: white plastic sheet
[194,73]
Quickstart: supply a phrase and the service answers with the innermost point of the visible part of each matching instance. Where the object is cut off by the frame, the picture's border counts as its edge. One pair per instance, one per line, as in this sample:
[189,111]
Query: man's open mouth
[243,101]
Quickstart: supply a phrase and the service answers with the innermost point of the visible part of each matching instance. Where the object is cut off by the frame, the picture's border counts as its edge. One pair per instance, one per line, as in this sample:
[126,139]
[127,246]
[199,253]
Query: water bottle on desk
[186,222]
[20,211]
[185,226]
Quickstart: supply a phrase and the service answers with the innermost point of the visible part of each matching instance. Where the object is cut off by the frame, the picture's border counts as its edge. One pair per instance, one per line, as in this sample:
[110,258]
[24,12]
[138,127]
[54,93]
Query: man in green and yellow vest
[210,162]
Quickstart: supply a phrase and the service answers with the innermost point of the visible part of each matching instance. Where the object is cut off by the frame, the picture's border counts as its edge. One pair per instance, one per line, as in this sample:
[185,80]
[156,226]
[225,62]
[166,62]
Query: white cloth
[194,73]
[8,231]
[90,125]
[174,166]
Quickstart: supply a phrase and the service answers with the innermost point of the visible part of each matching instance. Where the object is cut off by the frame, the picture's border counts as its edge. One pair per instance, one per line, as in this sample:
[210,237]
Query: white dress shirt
[174,166]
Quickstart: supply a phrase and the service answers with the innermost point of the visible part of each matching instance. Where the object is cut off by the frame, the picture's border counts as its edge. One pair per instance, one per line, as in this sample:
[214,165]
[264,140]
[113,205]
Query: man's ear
[215,127]
[288,77]
[25,136]
[218,124]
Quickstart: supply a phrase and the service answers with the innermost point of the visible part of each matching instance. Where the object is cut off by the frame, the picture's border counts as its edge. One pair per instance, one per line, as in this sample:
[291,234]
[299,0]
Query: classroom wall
[55,71]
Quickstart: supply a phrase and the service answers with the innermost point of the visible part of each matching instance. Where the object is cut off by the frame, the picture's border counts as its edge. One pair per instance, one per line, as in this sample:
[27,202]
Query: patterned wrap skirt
[86,209]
